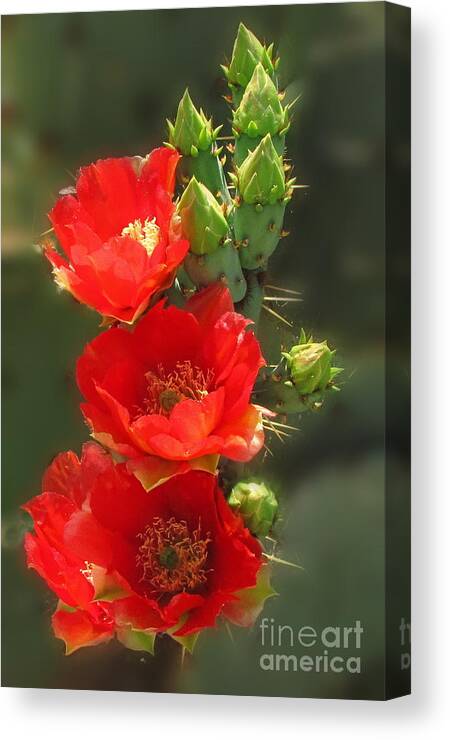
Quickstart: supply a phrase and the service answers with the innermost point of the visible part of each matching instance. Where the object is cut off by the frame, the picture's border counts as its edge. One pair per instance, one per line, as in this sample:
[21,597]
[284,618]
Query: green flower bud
[260,111]
[247,52]
[302,378]
[192,131]
[257,505]
[202,219]
[309,366]
[260,178]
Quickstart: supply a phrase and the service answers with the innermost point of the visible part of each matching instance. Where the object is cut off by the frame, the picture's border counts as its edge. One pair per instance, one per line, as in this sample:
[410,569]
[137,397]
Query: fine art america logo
[329,650]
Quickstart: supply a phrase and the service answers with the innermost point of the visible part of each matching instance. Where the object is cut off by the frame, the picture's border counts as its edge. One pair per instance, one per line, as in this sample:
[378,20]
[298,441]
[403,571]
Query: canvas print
[205,338]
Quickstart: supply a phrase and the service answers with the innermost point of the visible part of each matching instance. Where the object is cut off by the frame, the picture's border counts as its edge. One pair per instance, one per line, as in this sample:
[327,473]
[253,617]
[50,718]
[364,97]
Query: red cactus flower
[126,561]
[174,392]
[78,620]
[118,234]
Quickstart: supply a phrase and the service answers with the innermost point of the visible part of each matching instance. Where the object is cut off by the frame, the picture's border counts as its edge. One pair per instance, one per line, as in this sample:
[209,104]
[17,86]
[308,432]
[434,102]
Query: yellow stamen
[171,558]
[146,233]
[87,571]
[165,390]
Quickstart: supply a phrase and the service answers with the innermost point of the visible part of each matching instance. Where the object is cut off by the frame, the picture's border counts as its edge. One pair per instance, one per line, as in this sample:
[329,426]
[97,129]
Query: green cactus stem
[221,265]
[207,168]
[247,53]
[262,193]
[253,301]
[258,230]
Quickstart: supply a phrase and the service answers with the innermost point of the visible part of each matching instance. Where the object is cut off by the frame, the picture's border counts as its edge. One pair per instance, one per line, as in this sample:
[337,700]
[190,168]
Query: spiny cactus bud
[257,505]
[260,111]
[262,193]
[309,365]
[247,52]
[192,131]
[202,219]
[261,178]
[301,379]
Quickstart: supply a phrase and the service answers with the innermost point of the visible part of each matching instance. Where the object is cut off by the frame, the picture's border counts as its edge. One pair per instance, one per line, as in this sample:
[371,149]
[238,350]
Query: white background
[69,714]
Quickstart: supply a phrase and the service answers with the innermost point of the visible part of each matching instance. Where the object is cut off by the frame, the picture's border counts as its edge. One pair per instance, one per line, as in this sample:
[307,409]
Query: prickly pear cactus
[231,209]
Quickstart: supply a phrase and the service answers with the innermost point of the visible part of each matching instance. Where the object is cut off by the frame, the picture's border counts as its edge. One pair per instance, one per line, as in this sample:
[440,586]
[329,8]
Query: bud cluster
[202,207]
[260,176]
[231,236]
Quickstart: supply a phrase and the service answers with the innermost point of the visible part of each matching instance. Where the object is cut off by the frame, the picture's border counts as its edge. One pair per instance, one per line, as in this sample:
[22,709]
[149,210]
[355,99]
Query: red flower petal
[50,513]
[99,355]
[206,615]
[166,335]
[120,504]
[87,540]
[139,613]
[81,629]
[63,476]
[107,193]
[163,162]
[151,471]
[194,421]
[210,304]
[244,437]
[63,576]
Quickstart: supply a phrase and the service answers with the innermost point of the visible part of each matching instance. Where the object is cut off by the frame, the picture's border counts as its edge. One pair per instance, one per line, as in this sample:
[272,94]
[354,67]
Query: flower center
[146,233]
[165,390]
[170,557]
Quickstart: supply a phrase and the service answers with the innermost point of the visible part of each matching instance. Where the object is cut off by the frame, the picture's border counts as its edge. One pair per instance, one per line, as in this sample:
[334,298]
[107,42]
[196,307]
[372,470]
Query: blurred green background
[77,87]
